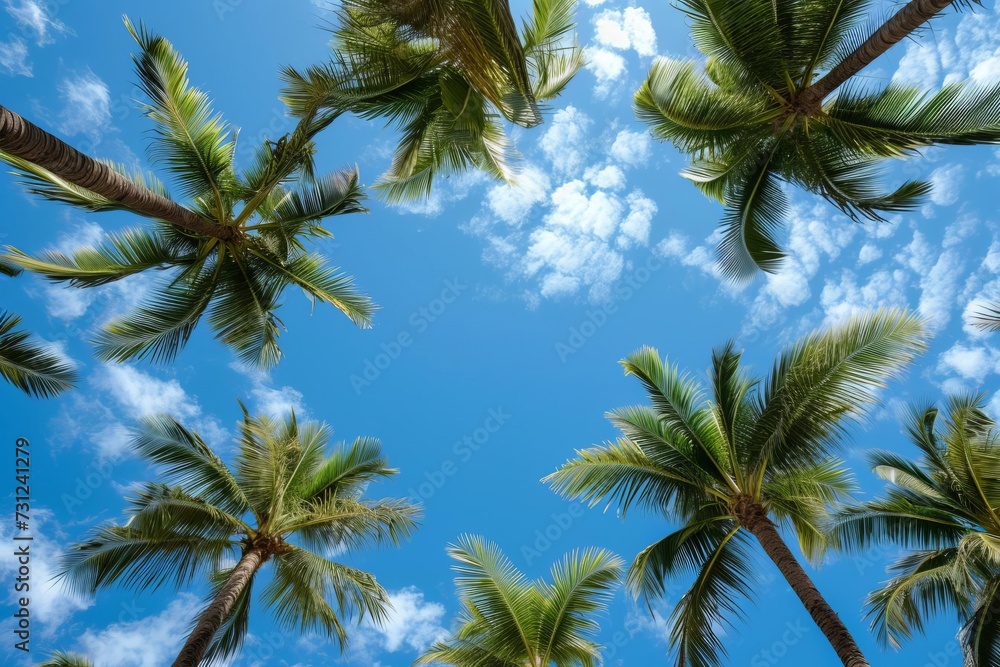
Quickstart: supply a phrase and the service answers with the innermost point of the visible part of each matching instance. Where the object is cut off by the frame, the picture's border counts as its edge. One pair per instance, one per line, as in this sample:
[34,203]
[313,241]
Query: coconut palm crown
[446,74]
[736,460]
[229,253]
[758,112]
[286,502]
[943,506]
[509,621]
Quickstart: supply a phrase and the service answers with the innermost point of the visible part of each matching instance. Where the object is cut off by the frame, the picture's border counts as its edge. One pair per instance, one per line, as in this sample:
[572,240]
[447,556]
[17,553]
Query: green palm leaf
[34,369]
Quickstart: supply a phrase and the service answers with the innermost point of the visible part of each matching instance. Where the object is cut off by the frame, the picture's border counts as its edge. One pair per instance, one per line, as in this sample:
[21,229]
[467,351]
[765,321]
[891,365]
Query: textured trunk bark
[27,141]
[753,517]
[905,21]
[220,608]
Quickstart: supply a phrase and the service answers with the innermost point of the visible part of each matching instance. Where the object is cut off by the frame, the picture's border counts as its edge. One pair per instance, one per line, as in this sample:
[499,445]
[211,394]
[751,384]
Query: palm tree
[446,74]
[62,659]
[34,369]
[760,113]
[285,501]
[231,253]
[509,621]
[757,454]
[943,506]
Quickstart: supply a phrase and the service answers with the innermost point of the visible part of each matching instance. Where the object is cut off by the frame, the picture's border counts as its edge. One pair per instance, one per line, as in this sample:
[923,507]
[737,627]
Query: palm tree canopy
[943,506]
[446,74]
[700,456]
[509,621]
[284,492]
[62,659]
[743,119]
[263,217]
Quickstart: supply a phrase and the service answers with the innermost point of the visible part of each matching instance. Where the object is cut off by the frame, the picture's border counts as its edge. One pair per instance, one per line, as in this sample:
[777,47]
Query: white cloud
[567,226]
[124,394]
[144,642]
[627,29]
[969,51]
[412,623]
[946,182]
[678,248]
[969,362]
[607,67]
[86,106]
[574,249]
[513,203]
[277,403]
[52,603]
[635,227]
[606,177]
[67,303]
[14,57]
[812,239]
[268,400]
[32,16]
[565,142]
[869,253]
[631,148]
[845,297]
[84,235]
[141,394]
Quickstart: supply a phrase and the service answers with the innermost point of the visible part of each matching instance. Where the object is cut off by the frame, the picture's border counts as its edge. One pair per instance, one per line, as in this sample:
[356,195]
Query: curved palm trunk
[221,607]
[905,21]
[753,517]
[23,139]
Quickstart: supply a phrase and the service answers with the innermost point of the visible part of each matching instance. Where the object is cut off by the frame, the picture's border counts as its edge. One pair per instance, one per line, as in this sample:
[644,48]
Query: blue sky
[515,305]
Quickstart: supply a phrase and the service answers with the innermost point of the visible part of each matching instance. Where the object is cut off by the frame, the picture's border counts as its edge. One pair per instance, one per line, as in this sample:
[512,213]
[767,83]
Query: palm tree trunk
[753,517]
[221,607]
[27,141]
[905,21]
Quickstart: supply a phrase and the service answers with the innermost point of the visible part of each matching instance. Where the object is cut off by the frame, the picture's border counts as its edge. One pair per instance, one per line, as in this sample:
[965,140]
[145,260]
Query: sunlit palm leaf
[35,369]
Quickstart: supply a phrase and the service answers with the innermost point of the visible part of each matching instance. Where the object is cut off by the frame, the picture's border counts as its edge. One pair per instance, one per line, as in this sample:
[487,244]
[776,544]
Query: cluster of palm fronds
[747,119]
[446,74]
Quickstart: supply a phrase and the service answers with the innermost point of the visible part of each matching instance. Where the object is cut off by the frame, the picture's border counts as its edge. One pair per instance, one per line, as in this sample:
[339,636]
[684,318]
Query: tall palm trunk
[753,517]
[905,21]
[27,141]
[221,607]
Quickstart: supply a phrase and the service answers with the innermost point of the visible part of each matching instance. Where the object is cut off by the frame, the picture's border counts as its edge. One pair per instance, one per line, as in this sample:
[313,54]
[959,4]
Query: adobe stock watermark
[598,316]
[772,655]
[223,7]
[419,321]
[463,449]
[559,524]
[93,478]
[620,638]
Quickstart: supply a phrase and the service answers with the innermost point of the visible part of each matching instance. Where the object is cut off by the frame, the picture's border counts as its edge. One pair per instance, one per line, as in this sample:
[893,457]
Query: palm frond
[63,659]
[829,376]
[191,140]
[725,576]
[159,328]
[122,254]
[35,369]
[311,593]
